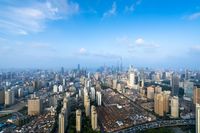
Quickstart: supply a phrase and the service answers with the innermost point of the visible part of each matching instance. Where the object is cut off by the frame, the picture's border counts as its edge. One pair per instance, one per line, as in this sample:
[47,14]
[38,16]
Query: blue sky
[54,33]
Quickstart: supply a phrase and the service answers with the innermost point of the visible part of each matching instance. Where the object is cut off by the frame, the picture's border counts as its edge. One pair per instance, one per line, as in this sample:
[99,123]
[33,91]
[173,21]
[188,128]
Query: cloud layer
[111,12]
[23,20]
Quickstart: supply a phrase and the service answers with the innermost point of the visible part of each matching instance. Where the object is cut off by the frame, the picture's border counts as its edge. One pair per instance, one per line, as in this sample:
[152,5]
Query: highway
[13,108]
[156,124]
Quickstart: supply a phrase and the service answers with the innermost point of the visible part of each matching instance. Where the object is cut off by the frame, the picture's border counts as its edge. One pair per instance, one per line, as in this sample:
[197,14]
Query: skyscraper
[62,122]
[94,117]
[166,96]
[34,106]
[132,79]
[78,120]
[9,97]
[175,84]
[2,96]
[98,98]
[158,89]
[114,84]
[196,97]
[158,104]
[92,93]
[87,107]
[186,74]
[175,107]
[197,118]
[78,67]
[150,92]
[62,70]
[66,107]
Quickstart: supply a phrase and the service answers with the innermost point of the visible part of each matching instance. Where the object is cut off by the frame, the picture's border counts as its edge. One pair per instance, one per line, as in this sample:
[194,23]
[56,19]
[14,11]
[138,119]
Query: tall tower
[150,92]
[121,64]
[132,78]
[94,117]
[166,96]
[62,122]
[158,104]
[98,98]
[34,106]
[2,96]
[196,97]
[78,120]
[175,85]
[62,71]
[197,118]
[175,107]
[87,107]
[92,93]
[66,107]
[9,97]
[114,84]
[186,74]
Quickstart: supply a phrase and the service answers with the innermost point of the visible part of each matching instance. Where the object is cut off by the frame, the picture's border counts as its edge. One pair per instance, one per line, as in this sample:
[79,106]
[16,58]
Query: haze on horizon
[54,33]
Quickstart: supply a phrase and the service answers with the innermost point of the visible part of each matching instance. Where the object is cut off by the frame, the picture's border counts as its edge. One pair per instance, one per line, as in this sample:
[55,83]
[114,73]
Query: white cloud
[82,51]
[139,41]
[136,45]
[132,7]
[194,16]
[111,12]
[123,40]
[33,18]
[195,48]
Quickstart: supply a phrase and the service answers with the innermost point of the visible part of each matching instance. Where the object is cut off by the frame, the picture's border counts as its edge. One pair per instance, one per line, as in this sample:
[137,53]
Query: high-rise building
[66,107]
[150,92]
[60,88]
[188,89]
[196,97]
[55,88]
[87,107]
[158,104]
[78,67]
[186,74]
[62,71]
[92,93]
[175,84]
[158,89]
[64,82]
[9,97]
[132,79]
[197,118]
[175,107]
[78,120]
[20,92]
[166,96]
[98,98]
[94,117]
[114,85]
[141,83]
[62,122]
[2,96]
[85,97]
[119,87]
[34,106]
[96,75]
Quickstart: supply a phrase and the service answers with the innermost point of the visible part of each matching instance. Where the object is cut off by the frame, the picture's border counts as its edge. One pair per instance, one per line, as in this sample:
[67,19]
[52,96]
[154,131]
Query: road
[14,108]
[157,124]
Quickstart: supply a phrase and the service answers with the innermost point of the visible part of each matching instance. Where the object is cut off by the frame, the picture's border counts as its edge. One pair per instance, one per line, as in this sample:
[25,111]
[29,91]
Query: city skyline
[54,33]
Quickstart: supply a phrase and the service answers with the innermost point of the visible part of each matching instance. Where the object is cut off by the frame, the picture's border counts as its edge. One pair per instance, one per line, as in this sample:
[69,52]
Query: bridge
[157,124]
[4,112]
